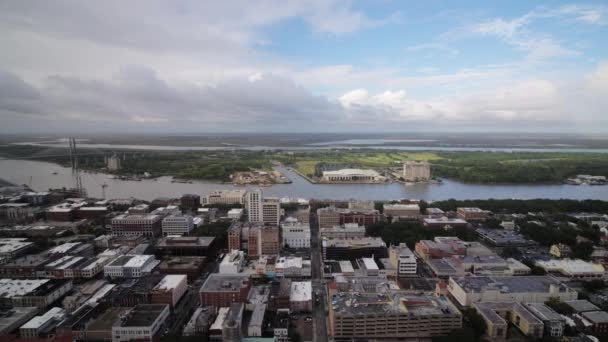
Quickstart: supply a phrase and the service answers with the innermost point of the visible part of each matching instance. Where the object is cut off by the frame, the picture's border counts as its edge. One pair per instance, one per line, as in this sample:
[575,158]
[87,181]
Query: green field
[473,167]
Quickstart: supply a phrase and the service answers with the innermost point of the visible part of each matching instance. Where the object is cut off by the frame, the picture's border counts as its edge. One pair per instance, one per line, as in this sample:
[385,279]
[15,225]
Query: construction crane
[75,171]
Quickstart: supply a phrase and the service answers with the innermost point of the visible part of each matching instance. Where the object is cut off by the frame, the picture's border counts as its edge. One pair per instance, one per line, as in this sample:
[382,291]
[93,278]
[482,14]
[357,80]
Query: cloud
[448,51]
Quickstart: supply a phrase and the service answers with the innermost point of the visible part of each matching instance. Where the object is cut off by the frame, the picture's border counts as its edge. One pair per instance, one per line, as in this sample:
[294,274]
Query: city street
[319,317]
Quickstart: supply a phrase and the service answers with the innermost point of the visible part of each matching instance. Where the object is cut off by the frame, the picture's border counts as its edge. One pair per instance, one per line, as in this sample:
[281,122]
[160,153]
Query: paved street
[319,317]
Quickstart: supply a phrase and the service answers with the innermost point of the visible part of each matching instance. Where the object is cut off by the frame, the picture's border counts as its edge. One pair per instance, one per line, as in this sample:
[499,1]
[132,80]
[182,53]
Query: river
[42,178]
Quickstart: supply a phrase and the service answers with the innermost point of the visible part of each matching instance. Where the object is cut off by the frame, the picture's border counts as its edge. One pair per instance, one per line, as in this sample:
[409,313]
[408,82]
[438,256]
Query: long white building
[295,234]
[130,266]
[224,197]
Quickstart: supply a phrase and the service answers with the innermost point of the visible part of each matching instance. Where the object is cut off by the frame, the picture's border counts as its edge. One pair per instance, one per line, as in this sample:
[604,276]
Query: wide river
[42,178]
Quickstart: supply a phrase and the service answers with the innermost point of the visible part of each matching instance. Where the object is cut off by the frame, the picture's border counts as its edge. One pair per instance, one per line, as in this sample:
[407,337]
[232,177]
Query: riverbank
[43,177]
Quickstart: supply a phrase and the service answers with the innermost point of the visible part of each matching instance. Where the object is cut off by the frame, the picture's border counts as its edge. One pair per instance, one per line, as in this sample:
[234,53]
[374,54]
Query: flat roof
[11,319]
[582,305]
[18,287]
[391,302]
[596,316]
[171,281]
[63,248]
[513,284]
[38,321]
[217,282]
[11,245]
[301,291]
[143,315]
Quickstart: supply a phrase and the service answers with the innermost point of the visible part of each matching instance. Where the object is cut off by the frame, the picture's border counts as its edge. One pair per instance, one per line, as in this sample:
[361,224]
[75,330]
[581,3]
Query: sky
[189,66]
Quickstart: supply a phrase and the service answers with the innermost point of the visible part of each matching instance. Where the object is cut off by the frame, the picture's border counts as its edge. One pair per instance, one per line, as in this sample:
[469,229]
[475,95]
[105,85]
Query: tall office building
[260,209]
[416,171]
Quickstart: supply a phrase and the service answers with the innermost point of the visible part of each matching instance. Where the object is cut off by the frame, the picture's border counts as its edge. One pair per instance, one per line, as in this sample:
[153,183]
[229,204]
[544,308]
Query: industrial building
[521,289]
[390,316]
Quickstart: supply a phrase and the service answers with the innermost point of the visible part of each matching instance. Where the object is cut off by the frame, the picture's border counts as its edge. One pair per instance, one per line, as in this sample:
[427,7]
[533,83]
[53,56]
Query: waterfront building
[224,197]
[416,171]
[190,201]
[352,176]
[260,209]
[113,162]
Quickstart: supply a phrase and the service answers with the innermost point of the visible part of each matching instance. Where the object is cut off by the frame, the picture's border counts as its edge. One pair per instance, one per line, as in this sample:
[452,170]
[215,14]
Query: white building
[177,225]
[346,231]
[143,323]
[292,267]
[235,214]
[573,268]
[512,289]
[232,262]
[402,258]
[130,266]
[12,247]
[48,321]
[260,209]
[352,175]
[295,234]
[301,296]
[174,284]
[396,211]
[113,163]
[416,171]
[224,197]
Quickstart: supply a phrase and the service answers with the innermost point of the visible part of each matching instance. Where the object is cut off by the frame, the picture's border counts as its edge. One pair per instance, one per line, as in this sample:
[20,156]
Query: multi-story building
[403,259]
[225,197]
[447,246]
[292,267]
[331,216]
[233,262]
[472,214]
[263,239]
[134,225]
[142,323]
[177,225]
[346,231]
[11,248]
[416,171]
[190,201]
[300,299]
[498,315]
[554,323]
[442,222]
[522,289]
[192,266]
[350,249]
[352,176]
[39,324]
[401,211]
[577,268]
[295,234]
[113,162]
[130,266]
[187,246]
[221,290]
[391,316]
[170,289]
[40,293]
[260,209]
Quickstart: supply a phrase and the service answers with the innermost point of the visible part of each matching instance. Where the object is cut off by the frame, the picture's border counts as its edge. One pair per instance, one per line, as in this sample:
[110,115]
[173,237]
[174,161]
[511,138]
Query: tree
[473,319]
[582,250]
[559,307]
